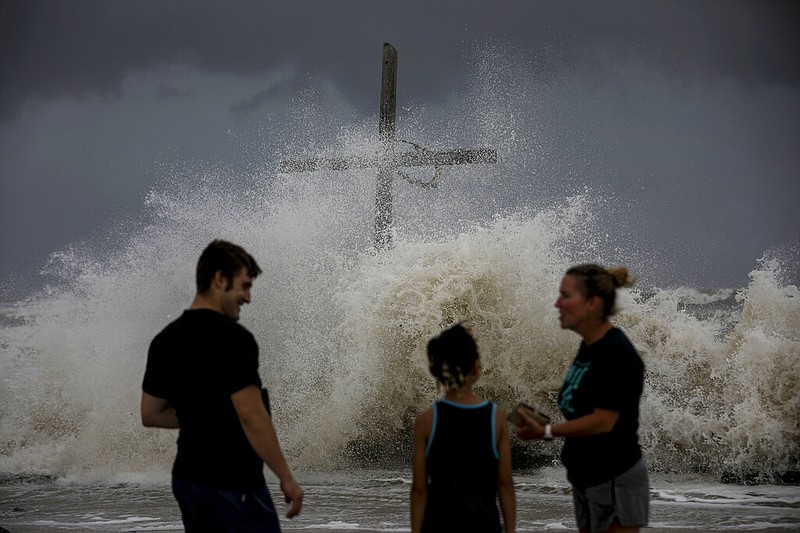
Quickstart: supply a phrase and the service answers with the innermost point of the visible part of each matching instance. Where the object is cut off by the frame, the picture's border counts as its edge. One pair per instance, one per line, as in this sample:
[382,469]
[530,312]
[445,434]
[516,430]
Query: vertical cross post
[386,134]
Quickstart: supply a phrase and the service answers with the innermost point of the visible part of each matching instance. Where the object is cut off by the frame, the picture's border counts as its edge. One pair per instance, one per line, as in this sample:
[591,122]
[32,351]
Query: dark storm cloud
[54,49]
[689,110]
[167,91]
[251,103]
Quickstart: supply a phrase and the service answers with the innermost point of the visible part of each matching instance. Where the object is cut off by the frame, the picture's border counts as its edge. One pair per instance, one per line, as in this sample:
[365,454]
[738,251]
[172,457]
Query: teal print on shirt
[573,382]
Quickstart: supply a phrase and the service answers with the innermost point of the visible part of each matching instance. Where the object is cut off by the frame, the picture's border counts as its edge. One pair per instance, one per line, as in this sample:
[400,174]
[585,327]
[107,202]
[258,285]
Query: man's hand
[293,495]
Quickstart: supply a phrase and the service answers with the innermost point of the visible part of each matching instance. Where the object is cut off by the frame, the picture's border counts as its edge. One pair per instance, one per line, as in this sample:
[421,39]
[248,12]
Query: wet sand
[377,500]
[40,529]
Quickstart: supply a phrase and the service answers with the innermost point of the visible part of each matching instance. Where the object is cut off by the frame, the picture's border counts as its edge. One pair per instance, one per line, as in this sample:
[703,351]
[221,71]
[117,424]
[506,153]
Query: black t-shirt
[196,363]
[608,374]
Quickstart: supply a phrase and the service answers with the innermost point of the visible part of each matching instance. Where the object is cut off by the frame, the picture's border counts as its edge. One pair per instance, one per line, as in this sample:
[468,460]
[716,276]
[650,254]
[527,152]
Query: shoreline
[39,529]
[376,501]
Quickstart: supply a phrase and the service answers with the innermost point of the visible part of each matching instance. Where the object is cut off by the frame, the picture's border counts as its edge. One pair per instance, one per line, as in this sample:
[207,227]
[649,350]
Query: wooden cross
[388,161]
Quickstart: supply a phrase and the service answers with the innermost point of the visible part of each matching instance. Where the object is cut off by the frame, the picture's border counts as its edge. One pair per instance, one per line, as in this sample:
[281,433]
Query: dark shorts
[205,509]
[626,498]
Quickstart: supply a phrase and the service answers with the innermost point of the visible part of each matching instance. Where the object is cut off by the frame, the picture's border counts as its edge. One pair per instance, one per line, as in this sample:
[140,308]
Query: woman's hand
[597,422]
[530,429]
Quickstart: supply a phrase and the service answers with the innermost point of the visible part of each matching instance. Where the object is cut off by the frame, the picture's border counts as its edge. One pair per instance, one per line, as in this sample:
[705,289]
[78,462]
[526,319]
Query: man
[202,377]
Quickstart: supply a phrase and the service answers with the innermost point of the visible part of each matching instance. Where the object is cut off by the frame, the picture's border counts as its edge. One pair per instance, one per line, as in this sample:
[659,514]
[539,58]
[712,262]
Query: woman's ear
[595,304]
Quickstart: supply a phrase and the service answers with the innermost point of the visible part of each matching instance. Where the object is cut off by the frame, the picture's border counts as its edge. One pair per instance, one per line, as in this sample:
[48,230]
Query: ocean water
[342,336]
[342,332]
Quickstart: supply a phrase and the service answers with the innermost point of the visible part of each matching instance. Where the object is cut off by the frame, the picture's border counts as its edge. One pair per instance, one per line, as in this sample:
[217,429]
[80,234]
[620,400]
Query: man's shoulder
[202,318]
[200,323]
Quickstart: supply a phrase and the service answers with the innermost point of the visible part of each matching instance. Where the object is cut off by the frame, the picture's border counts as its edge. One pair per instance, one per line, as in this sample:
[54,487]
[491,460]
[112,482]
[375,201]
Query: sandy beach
[374,501]
[40,529]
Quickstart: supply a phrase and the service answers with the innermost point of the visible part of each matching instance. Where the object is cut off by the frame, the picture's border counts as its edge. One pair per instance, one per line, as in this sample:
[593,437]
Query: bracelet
[548,432]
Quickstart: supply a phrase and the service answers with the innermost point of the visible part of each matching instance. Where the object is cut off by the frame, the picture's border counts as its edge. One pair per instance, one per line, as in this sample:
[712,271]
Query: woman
[462,456]
[600,401]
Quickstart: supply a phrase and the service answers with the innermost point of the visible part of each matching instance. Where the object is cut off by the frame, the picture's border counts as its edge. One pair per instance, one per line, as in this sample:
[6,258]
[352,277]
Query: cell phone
[515,418]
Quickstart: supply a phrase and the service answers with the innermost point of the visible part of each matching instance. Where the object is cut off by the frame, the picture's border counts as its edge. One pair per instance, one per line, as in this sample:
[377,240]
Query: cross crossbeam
[417,158]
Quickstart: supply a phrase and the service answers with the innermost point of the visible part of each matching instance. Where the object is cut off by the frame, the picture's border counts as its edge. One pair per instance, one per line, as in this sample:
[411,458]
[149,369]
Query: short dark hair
[451,356]
[226,257]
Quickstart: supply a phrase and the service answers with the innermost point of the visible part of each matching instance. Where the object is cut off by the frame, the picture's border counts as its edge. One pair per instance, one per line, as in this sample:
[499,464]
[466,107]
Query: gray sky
[689,110]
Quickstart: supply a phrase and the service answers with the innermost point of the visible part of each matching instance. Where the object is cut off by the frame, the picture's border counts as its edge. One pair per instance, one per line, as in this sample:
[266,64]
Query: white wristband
[548,432]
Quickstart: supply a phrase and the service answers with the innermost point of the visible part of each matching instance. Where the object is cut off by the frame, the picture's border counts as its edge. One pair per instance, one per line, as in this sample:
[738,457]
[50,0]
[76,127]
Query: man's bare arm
[157,412]
[260,432]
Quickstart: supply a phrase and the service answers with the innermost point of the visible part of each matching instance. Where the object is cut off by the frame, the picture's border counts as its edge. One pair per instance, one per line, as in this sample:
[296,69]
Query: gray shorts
[626,498]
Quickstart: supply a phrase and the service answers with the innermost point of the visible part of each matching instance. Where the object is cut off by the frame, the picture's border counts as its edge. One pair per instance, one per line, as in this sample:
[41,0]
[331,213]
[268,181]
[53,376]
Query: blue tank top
[462,463]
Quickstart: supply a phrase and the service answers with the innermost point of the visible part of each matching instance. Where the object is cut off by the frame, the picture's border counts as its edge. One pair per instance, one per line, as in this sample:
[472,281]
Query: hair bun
[620,277]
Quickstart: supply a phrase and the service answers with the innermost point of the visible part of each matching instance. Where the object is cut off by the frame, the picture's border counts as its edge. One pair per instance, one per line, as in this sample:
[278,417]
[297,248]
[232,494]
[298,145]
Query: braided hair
[451,357]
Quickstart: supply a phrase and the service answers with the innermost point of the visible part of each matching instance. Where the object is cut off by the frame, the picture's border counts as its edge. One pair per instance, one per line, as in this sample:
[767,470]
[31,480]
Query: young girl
[462,456]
